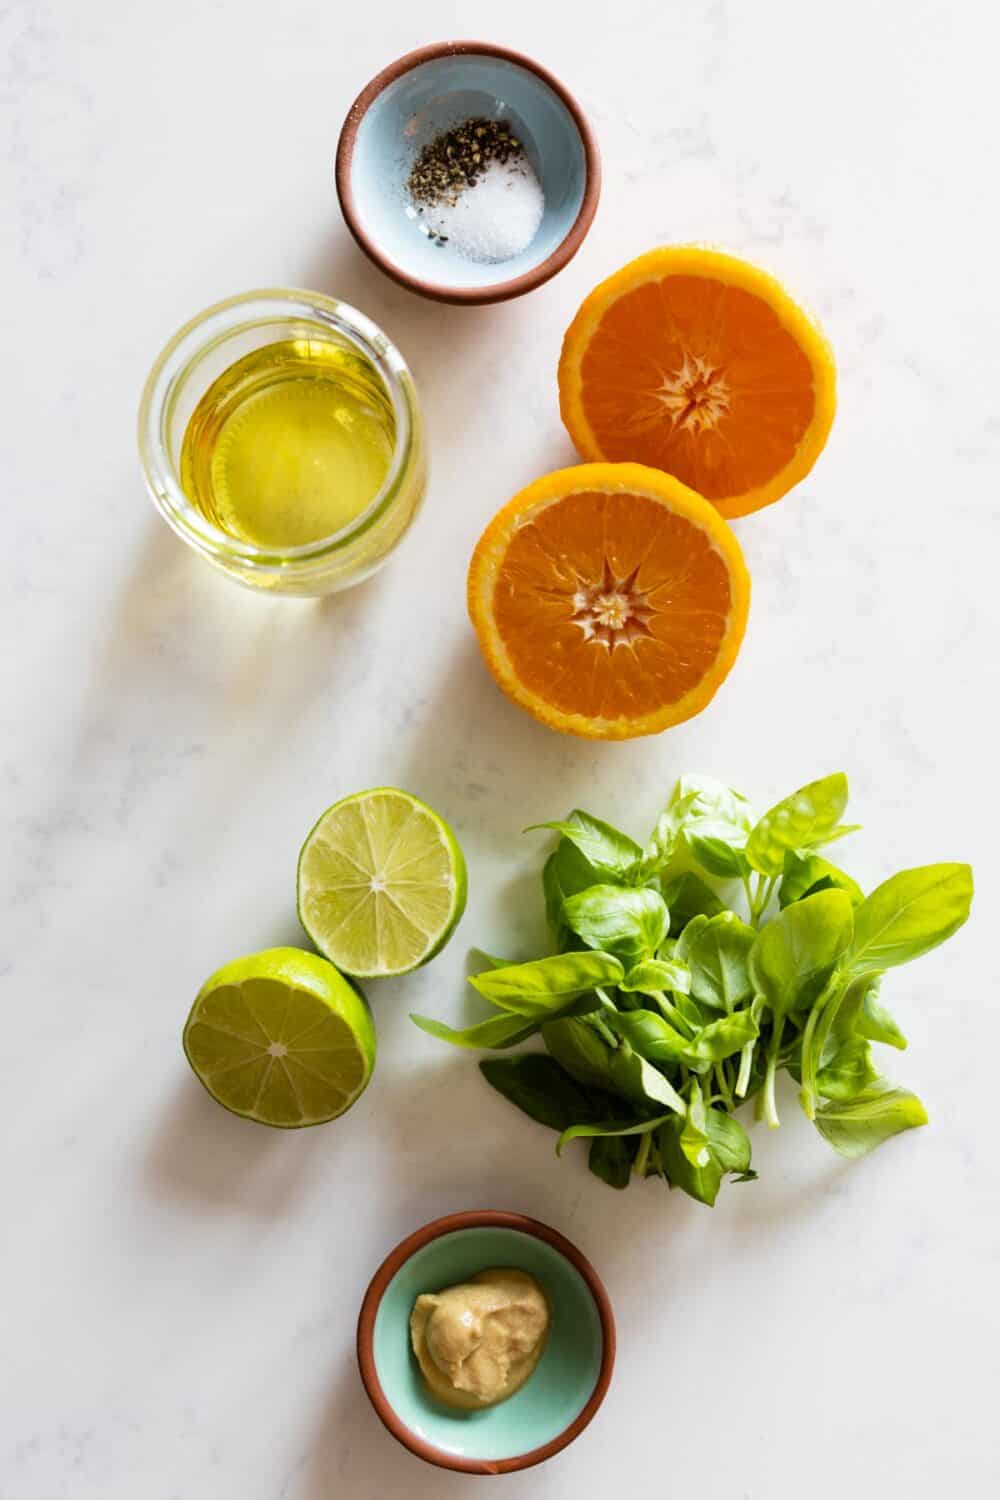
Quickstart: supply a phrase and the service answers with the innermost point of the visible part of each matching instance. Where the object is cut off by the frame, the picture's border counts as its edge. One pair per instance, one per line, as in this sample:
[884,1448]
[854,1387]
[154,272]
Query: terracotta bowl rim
[480,1219]
[500,291]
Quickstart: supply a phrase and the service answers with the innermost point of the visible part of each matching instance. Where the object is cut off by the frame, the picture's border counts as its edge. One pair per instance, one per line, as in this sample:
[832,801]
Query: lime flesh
[382,883]
[282,1038]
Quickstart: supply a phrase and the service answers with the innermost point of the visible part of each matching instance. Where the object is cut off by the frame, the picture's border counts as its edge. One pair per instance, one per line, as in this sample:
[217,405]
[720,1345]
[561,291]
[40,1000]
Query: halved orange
[699,364]
[609,600]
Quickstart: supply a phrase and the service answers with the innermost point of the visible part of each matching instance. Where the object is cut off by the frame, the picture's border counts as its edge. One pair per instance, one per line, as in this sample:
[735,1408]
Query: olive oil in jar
[290,444]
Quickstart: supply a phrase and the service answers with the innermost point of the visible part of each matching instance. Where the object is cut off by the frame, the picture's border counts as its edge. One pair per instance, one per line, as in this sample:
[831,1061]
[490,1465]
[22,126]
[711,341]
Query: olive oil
[290,444]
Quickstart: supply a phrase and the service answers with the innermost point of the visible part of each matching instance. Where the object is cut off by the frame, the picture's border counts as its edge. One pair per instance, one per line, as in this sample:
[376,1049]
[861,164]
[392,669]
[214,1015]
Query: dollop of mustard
[478,1342]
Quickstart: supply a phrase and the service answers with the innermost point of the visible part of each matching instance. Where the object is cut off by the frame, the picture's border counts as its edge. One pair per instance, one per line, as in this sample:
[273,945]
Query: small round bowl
[428,91]
[197,355]
[561,1396]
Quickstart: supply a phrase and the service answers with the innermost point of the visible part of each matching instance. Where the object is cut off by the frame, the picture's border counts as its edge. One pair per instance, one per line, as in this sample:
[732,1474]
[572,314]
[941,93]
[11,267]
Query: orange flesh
[611,605]
[700,379]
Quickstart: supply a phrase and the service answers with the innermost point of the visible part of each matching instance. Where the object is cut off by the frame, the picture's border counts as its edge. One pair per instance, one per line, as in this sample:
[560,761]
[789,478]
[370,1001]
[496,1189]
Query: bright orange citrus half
[609,600]
[699,364]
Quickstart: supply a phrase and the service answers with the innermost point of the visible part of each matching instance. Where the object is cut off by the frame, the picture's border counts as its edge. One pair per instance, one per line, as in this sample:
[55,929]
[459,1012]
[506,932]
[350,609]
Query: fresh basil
[717,812]
[693,1138]
[719,960]
[729,1143]
[629,923]
[566,872]
[540,988]
[651,1036]
[611,1157]
[863,1014]
[613,855]
[849,1072]
[608,1128]
[688,896]
[908,915]
[794,955]
[540,1088]
[666,835]
[804,874]
[859,1126]
[686,942]
[670,1003]
[721,1039]
[580,1050]
[633,1078]
[802,821]
[656,974]
[874,1021]
[497,1032]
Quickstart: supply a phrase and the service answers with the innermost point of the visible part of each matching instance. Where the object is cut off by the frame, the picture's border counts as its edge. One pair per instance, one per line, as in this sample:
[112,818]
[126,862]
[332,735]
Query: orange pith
[609,600]
[699,364]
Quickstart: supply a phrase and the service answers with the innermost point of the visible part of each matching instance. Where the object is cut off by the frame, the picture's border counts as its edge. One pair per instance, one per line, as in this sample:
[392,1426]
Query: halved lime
[381,883]
[281,1038]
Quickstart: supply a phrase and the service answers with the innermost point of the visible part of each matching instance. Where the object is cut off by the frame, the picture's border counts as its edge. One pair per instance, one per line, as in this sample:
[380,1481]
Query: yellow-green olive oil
[290,444]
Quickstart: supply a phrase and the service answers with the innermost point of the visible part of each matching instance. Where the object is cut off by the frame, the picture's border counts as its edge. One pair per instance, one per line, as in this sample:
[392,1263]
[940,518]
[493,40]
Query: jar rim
[220,321]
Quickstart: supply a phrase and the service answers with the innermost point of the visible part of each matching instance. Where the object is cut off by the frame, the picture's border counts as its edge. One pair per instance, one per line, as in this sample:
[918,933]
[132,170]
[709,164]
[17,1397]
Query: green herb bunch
[665,1010]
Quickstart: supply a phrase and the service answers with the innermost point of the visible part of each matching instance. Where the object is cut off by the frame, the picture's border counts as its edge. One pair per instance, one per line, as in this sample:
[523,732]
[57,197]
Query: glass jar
[202,351]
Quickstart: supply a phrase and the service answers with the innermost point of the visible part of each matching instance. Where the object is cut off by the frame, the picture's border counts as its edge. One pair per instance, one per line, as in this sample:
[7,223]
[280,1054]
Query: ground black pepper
[456,159]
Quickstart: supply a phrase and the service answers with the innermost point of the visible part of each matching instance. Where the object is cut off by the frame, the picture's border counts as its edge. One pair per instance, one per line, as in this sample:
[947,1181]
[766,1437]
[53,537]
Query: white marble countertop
[179,1287]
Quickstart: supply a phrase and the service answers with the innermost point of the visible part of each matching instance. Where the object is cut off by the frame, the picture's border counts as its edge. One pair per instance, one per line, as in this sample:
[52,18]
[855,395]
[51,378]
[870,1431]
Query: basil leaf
[490,960]
[638,1081]
[693,1137]
[566,872]
[805,872]
[718,956]
[701,1183]
[807,818]
[651,1036]
[612,854]
[848,1072]
[721,1039]
[909,914]
[537,989]
[611,1159]
[688,896]
[881,1111]
[729,1151]
[796,953]
[862,1014]
[498,1031]
[718,811]
[729,1143]
[609,1128]
[655,975]
[876,1024]
[578,1049]
[666,835]
[630,923]
[540,1088]
[714,820]
[689,936]
[718,858]
[689,1010]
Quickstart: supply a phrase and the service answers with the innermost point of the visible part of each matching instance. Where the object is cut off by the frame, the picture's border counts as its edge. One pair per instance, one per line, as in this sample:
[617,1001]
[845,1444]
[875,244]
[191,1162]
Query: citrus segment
[609,600]
[699,364]
[382,883]
[281,1038]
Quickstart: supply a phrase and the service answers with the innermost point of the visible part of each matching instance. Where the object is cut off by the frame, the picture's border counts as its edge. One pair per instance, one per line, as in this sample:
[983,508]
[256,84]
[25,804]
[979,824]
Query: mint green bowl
[562,1395]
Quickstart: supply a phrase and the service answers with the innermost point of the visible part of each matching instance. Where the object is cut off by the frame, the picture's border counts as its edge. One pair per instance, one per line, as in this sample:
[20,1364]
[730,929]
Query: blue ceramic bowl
[562,1394]
[428,91]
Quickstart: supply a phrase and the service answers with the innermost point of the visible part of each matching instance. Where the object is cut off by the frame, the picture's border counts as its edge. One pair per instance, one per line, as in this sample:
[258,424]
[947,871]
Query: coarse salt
[494,219]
